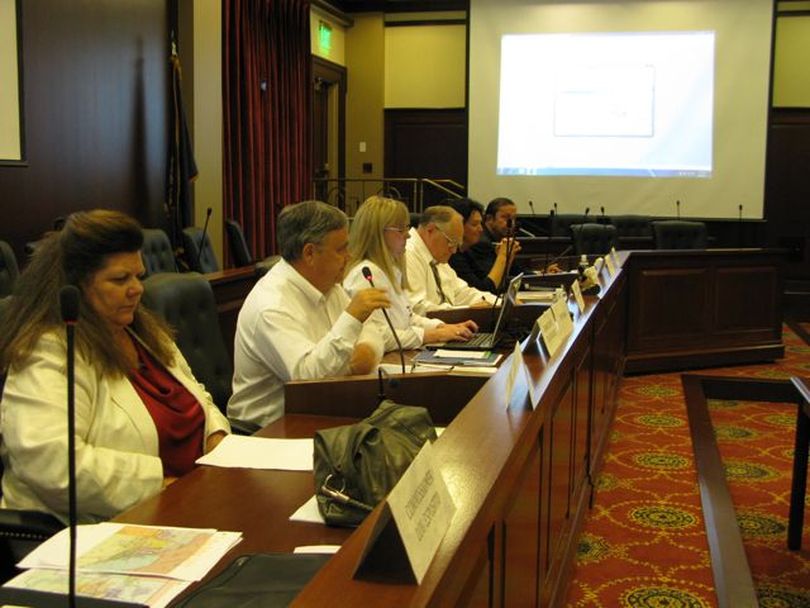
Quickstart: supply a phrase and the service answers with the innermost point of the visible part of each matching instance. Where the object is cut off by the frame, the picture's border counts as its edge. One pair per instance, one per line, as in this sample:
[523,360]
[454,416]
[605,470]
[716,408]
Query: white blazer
[117,461]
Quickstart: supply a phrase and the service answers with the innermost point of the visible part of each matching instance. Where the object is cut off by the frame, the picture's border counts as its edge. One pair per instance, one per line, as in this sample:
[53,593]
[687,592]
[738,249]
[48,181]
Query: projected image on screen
[637,104]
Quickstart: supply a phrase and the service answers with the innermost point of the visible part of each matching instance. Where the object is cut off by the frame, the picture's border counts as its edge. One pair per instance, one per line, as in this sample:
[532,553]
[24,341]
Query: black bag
[357,465]
[263,580]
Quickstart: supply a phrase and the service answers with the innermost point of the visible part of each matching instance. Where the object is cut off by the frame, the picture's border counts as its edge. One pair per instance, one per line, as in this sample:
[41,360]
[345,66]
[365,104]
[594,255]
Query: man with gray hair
[297,323]
[434,285]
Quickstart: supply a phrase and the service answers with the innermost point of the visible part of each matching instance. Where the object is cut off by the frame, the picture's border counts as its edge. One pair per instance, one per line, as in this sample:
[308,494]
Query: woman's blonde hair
[71,257]
[367,237]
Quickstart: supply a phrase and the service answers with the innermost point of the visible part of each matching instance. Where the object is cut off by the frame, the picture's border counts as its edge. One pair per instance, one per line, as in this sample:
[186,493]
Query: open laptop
[489,340]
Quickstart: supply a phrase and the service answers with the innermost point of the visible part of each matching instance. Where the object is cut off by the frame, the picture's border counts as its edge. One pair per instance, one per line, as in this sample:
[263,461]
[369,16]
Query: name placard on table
[414,519]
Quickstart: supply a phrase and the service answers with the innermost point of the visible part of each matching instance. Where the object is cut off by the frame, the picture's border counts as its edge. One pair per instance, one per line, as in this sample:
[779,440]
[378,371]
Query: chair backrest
[561,223]
[186,302]
[157,252]
[633,226]
[9,271]
[199,252]
[239,246]
[679,234]
[593,239]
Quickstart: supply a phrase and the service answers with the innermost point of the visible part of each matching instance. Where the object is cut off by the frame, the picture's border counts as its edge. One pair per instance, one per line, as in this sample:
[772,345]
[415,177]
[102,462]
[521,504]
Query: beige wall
[791,75]
[365,54]
[410,51]
[337,54]
[207,127]
[9,94]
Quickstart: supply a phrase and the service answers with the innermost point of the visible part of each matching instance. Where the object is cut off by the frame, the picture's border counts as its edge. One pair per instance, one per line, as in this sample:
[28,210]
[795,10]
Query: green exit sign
[324,36]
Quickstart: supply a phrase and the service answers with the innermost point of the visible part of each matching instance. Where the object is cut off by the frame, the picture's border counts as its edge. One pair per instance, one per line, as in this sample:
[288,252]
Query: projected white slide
[629,104]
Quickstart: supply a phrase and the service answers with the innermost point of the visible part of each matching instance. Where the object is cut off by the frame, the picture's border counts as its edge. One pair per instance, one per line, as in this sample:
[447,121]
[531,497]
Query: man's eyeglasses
[451,242]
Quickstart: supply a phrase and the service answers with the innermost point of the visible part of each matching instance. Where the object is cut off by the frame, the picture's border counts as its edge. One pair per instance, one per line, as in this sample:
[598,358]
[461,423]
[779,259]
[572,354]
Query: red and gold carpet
[644,544]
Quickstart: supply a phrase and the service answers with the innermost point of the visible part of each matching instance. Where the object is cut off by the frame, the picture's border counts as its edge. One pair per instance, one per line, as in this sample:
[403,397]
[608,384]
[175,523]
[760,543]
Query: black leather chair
[9,271]
[157,252]
[561,223]
[593,239]
[241,251]
[186,302]
[679,234]
[239,246]
[632,226]
[199,252]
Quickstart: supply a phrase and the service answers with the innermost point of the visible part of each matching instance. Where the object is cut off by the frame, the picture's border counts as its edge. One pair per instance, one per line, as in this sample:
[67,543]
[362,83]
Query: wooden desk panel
[703,308]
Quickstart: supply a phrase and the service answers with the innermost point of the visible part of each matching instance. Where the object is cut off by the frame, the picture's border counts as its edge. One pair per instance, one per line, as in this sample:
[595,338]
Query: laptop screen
[509,299]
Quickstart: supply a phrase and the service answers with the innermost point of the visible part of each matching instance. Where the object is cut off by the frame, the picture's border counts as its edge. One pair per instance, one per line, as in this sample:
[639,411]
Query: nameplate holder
[610,267]
[515,363]
[415,517]
[549,332]
[577,291]
[615,255]
[563,317]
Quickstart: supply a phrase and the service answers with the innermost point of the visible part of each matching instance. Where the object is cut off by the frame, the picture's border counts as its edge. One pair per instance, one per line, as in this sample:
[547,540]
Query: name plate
[615,255]
[609,263]
[549,332]
[516,362]
[577,291]
[563,317]
[414,519]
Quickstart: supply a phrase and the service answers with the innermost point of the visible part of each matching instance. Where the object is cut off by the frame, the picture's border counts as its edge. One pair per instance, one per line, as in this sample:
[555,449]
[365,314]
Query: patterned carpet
[644,543]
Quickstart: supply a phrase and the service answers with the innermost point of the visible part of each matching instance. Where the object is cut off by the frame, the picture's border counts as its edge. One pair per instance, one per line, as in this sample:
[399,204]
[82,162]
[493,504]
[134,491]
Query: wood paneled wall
[95,84]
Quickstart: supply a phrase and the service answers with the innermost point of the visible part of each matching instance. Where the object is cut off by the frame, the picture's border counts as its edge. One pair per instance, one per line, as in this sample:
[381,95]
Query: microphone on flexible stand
[392,382]
[367,276]
[585,217]
[740,228]
[202,236]
[678,208]
[602,210]
[551,214]
[531,206]
[69,307]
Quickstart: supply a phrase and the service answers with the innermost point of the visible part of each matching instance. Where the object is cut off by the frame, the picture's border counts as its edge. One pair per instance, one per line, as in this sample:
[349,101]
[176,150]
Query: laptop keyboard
[480,339]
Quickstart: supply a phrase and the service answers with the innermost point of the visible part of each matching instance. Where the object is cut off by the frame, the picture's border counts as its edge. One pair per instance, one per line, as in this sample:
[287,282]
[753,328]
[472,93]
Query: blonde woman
[377,242]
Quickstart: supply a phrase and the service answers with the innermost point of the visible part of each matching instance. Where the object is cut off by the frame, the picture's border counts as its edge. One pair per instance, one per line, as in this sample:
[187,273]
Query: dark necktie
[435,269]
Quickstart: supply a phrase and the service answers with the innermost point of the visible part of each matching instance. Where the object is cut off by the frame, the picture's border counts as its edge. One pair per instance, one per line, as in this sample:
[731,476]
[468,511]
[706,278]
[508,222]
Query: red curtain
[267,96]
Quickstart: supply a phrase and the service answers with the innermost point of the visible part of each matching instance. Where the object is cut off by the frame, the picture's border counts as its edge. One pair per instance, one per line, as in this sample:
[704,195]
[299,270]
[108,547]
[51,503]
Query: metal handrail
[411,190]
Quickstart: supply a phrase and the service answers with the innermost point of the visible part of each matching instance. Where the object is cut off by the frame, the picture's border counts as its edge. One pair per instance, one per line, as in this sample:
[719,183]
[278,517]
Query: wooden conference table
[520,473]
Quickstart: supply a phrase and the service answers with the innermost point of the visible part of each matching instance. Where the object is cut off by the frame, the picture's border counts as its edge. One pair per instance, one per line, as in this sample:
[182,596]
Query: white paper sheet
[261,453]
[317,549]
[308,512]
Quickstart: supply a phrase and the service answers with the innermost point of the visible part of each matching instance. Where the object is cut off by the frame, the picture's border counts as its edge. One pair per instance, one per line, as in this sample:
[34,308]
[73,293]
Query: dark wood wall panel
[747,299]
[787,187]
[95,78]
[426,143]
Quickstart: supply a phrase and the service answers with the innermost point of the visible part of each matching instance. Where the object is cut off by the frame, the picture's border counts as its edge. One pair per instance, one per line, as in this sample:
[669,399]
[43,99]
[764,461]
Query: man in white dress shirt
[297,322]
[434,285]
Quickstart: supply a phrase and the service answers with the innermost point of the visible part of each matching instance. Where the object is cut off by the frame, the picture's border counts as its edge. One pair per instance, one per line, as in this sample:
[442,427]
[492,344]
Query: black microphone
[202,236]
[740,228]
[678,208]
[392,382]
[367,276]
[69,307]
[555,207]
[585,217]
[551,214]
[531,206]
[602,209]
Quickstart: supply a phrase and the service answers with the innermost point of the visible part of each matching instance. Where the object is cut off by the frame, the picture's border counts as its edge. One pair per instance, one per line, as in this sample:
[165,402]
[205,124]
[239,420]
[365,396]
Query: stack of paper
[457,358]
[143,564]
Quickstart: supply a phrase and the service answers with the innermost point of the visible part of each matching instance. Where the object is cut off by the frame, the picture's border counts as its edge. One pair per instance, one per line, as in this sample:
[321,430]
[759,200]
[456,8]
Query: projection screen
[630,106]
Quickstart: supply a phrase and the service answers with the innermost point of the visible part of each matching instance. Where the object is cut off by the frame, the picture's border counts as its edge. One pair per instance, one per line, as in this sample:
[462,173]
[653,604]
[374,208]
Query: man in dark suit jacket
[483,256]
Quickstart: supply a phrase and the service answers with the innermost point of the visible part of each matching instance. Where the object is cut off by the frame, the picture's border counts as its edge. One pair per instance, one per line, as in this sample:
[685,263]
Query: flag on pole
[182,168]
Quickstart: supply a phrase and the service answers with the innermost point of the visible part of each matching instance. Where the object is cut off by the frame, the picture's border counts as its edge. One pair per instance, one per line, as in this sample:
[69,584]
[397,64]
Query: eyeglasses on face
[400,229]
[451,242]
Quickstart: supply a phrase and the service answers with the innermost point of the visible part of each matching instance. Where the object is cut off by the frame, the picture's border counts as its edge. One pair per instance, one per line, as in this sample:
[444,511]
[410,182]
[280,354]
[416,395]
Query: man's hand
[512,245]
[367,301]
[363,360]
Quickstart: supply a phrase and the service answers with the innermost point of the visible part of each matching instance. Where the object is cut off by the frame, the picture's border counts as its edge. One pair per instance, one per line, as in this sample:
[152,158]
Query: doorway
[328,130]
